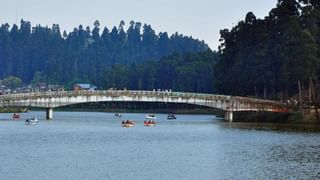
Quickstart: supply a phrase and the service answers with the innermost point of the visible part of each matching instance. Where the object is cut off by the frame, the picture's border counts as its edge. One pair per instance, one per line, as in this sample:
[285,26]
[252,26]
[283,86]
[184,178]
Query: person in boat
[118,114]
[122,122]
[128,122]
[27,120]
[16,116]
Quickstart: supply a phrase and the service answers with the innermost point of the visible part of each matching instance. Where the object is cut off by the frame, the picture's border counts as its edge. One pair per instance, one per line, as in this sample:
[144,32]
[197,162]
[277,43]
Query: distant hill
[83,55]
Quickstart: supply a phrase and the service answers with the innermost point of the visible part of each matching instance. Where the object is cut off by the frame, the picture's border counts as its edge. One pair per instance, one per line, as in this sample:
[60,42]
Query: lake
[94,146]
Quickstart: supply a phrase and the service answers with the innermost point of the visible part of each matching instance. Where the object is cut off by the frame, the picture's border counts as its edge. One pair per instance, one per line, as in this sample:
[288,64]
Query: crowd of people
[149,122]
[132,122]
[128,122]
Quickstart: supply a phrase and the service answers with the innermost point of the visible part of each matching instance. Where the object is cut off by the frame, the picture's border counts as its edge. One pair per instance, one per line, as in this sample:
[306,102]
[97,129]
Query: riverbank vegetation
[13,110]
[277,57]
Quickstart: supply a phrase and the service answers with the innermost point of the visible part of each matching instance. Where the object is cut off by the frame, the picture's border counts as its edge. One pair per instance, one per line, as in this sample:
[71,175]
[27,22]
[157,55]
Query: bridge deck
[62,98]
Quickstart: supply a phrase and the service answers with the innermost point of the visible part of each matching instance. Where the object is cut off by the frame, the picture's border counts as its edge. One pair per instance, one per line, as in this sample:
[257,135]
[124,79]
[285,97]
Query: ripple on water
[93,146]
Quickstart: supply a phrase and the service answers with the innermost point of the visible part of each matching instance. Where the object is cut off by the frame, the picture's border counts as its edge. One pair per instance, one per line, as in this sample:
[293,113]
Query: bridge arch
[50,100]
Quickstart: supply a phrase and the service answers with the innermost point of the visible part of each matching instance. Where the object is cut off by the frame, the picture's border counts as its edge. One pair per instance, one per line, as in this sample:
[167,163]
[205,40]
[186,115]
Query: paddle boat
[149,123]
[128,123]
[16,116]
[117,114]
[32,121]
[151,117]
[171,117]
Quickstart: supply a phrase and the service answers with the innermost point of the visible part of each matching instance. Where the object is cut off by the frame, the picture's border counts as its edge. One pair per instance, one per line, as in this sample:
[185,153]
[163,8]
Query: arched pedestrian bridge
[51,100]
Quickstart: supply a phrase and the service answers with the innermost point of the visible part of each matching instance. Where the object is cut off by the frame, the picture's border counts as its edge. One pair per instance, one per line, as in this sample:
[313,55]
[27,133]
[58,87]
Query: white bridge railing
[233,103]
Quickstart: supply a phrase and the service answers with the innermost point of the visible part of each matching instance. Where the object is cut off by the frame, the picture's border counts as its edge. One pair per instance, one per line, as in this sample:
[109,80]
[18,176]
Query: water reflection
[307,128]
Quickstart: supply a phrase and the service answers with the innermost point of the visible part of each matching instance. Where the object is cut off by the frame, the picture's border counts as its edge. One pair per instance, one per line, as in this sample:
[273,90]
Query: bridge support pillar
[49,113]
[228,116]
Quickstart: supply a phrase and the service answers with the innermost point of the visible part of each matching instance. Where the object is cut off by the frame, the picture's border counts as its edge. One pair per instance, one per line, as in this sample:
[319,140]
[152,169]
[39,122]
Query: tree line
[86,54]
[189,72]
[274,57]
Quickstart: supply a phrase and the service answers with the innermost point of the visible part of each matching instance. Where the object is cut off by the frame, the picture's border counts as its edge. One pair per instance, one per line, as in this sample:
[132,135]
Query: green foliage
[83,55]
[12,82]
[192,72]
[270,55]
[37,77]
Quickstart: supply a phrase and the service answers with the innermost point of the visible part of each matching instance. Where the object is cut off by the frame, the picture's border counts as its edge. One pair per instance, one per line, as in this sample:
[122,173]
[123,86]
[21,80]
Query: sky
[201,19]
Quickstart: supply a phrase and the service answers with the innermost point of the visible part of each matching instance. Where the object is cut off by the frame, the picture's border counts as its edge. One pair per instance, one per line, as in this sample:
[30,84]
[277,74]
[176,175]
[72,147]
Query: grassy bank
[13,110]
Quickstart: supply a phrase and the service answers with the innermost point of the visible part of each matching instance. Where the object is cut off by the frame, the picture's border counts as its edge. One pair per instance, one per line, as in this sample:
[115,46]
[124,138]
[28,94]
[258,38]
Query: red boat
[149,123]
[16,116]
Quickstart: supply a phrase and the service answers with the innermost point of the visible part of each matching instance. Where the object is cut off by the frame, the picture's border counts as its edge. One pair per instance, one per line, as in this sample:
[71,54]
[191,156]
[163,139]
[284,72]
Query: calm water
[93,146]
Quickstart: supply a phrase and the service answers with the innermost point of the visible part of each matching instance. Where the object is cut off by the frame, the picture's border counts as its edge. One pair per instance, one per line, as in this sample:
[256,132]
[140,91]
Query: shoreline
[279,118]
[13,110]
[239,117]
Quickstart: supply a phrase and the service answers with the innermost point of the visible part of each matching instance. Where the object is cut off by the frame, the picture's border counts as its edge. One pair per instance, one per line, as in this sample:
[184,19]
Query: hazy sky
[201,19]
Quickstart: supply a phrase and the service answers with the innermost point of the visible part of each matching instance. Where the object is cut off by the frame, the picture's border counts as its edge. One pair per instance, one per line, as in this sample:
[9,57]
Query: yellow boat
[127,125]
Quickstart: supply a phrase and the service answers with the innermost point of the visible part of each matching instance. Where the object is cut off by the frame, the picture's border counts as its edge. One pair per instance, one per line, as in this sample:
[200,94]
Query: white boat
[151,116]
[32,121]
[118,115]
[171,117]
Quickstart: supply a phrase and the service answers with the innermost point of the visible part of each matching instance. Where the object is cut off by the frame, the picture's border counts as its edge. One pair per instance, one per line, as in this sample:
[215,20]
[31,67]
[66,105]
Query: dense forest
[43,54]
[190,72]
[275,57]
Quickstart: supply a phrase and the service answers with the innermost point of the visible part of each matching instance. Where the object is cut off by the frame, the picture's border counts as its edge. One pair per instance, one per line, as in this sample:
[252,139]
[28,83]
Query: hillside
[85,54]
